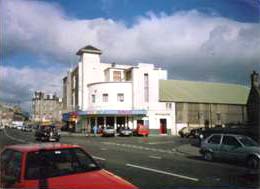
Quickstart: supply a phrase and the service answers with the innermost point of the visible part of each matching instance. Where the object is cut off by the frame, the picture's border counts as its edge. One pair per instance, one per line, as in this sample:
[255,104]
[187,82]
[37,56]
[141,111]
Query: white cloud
[189,44]
[19,84]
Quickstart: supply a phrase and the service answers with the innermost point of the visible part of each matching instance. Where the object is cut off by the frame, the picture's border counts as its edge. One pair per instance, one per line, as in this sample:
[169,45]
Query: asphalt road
[153,162]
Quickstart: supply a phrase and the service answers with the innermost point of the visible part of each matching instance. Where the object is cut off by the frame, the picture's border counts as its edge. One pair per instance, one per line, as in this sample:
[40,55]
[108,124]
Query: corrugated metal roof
[203,92]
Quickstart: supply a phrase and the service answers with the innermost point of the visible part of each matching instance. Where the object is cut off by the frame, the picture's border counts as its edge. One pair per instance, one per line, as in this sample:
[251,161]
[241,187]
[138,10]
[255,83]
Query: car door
[230,148]
[11,162]
[214,144]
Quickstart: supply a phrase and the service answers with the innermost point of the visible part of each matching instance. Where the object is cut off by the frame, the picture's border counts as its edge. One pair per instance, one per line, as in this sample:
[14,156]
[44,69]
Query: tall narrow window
[120,97]
[116,76]
[168,106]
[93,98]
[105,97]
[146,88]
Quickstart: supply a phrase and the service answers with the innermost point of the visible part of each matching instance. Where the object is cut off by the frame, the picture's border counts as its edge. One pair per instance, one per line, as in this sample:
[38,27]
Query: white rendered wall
[80,89]
[112,89]
[162,113]
[138,86]
[92,72]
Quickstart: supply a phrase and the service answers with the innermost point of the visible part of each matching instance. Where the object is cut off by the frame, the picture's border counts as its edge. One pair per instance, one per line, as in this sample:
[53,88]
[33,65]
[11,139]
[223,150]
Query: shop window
[120,97]
[105,97]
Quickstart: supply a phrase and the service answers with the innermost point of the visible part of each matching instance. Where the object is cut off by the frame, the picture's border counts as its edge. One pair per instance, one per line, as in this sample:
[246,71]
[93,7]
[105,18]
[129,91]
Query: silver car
[108,131]
[231,147]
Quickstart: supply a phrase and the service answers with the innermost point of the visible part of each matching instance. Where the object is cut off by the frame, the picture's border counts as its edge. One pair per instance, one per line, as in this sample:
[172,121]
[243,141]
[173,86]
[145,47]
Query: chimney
[255,79]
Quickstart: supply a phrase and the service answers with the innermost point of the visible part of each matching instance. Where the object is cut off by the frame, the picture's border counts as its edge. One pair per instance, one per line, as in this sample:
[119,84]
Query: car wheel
[208,156]
[253,162]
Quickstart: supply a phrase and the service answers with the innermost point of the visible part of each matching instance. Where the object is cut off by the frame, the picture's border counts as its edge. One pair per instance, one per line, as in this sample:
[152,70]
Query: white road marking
[165,142]
[162,172]
[155,157]
[103,149]
[99,158]
[12,138]
[139,147]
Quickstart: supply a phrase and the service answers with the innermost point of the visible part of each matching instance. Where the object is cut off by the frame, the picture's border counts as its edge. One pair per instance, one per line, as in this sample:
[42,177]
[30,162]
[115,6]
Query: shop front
[117,119]
[70,121]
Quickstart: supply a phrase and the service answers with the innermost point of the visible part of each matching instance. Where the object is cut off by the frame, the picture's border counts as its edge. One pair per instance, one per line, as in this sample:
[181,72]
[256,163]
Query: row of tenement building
[109,94]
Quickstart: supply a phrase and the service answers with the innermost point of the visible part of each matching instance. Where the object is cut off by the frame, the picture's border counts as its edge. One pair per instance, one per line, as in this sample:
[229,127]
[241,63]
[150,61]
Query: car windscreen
[52,163]
[247,141]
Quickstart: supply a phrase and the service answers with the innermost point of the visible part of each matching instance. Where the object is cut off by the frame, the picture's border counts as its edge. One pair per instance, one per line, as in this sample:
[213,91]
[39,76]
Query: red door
[163,126]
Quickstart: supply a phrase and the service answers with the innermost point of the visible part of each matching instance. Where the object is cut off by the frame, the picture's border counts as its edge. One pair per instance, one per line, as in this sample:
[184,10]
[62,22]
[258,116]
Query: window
[146,88]
[120,97]
[93,98]
[247,141]
[231,141]
[105,97]
[215,139]
[128,75]
[116,76]
[218,116]
[54,163]
[168,106]
[11,163]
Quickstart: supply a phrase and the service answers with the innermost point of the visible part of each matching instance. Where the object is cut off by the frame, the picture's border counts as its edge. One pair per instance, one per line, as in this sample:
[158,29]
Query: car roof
[228,134]
[40,146]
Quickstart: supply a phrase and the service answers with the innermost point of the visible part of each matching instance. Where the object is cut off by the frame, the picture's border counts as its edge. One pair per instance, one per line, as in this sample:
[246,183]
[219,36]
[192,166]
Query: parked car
[125,131]
[108,131]
[231,147]
[250,131]
[187,132]
[19,127]
[47,133]
[1,127]
[27,128]
[59,166]
[183,132]
[195,133]
[141,130]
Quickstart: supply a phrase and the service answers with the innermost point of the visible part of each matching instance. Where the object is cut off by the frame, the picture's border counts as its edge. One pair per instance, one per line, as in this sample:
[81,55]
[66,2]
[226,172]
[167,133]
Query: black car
[47,133]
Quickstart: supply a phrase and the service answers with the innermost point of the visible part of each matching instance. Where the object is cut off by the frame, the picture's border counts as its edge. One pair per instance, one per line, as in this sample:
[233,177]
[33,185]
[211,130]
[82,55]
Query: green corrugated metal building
[204,103]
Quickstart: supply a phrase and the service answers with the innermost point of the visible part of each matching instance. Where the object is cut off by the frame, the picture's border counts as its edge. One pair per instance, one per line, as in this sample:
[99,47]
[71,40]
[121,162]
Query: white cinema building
[103,94]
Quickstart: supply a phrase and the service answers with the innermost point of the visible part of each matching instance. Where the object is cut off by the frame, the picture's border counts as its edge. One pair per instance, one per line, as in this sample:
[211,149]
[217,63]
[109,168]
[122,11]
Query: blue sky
[128,10]
[208,40]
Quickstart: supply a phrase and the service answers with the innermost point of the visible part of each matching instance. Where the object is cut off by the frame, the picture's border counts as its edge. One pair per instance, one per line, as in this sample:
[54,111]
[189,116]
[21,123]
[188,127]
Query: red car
[52,165]
[141,130]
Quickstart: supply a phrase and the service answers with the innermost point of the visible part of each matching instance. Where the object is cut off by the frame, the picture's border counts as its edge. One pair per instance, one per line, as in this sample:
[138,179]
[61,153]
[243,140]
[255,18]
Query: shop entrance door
[163,126]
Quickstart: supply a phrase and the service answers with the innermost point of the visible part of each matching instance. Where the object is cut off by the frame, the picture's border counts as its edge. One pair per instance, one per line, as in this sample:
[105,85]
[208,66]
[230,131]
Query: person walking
[95,129]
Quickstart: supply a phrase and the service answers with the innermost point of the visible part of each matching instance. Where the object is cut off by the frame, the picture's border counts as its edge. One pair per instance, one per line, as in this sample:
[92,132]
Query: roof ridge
[208,82]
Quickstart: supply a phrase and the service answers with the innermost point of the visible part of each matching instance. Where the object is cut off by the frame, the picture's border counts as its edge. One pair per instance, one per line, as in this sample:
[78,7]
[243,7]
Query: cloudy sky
[201,40]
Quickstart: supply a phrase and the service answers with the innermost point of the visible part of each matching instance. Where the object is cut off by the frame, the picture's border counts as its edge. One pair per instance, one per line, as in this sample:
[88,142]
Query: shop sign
[114,112]
[162,114]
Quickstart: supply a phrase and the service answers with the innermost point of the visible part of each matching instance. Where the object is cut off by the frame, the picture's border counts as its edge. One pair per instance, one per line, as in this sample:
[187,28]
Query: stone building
[46,107]
[8,114]
[253,103]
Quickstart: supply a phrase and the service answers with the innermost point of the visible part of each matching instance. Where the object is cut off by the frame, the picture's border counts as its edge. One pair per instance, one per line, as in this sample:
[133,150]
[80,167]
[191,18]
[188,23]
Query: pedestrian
[95,129]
